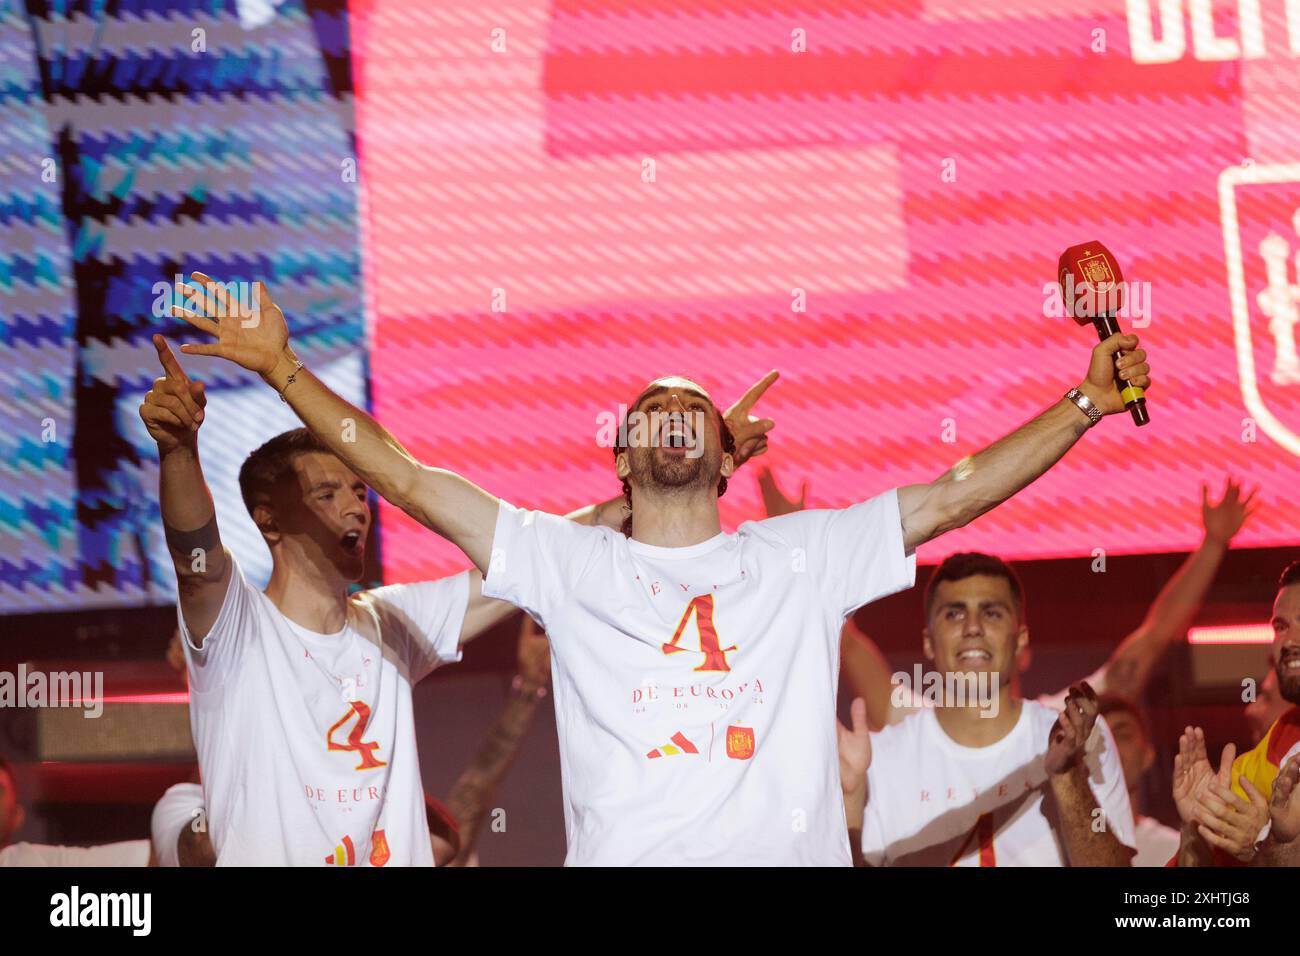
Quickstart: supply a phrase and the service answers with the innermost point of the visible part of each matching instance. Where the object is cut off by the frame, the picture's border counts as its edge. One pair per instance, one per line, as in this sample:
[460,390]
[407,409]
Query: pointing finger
[751,397]
[179,381]
[168,360]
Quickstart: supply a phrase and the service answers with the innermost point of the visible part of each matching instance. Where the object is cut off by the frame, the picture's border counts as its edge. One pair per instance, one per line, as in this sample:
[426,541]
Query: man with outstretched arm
[301,695]
[694,670]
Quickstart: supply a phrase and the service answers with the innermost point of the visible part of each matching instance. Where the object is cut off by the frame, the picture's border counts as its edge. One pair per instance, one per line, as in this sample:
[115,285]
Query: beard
[1288,681]
[657,469]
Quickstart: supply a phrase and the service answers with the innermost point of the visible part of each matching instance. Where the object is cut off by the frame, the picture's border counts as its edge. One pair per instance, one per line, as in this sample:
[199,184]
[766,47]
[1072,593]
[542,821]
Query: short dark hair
[967,564]
[1290,575]
[1110,702]
[728,441]
[271,463]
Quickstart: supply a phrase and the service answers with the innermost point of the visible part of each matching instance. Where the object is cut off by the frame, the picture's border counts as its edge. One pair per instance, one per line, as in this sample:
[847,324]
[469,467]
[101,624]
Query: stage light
[1231,634]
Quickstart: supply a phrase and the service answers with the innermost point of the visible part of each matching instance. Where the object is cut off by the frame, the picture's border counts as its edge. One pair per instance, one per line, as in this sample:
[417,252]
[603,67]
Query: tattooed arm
[172,411]
[1067,775]
[478,783]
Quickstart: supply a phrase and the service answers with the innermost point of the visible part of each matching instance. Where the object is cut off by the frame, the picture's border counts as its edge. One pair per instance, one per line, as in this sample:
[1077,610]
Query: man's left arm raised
[983,481]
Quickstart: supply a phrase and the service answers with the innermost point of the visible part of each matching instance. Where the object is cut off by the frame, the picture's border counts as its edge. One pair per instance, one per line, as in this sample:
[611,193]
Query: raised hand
[854,747]
[750,432]
[775,502]
[1193,773]
[254,338]
[1223,520]
[1284,808]
[1133,369]
[172,409]
[1067,741]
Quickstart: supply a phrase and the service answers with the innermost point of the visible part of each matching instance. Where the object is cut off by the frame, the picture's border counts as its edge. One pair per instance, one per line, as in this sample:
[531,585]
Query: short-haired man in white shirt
[983,777]
[300,696]
[694,670]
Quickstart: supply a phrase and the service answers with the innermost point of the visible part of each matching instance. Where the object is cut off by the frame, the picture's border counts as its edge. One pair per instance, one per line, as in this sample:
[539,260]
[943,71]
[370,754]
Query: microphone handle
[1134,399]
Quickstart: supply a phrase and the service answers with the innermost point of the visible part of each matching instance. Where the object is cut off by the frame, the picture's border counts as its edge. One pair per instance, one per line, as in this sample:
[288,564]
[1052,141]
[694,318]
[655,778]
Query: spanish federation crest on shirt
[740,742]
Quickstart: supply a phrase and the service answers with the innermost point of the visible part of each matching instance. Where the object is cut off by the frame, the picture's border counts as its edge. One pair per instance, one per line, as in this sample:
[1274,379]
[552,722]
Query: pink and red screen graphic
[566,199]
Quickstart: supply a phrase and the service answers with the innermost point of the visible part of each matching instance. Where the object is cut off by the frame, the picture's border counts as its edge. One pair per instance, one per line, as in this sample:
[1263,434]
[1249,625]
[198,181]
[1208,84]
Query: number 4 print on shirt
[366,748]
[715,656]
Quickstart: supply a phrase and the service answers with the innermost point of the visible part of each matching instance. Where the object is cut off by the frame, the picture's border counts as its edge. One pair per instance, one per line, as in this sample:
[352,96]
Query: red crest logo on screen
[1260,209]
[740,742]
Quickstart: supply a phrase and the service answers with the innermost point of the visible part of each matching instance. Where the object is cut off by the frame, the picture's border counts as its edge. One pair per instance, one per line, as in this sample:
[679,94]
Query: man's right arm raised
[256,337]
[172,411]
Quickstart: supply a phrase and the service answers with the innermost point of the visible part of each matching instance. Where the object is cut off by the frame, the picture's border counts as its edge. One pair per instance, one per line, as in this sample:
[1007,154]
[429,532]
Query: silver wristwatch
[1085,406]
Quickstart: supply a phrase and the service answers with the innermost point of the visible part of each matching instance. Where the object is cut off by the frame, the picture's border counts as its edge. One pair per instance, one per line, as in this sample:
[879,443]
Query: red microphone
[1092,289]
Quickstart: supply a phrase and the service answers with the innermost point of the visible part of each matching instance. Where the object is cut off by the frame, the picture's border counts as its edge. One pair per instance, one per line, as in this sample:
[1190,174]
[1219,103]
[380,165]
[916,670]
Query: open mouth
[352,542]
[974,656]
[676,433]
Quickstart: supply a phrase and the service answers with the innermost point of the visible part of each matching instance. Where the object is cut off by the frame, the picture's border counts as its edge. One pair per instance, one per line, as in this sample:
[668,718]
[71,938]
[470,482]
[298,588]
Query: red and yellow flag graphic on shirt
[680,745]
[345,854]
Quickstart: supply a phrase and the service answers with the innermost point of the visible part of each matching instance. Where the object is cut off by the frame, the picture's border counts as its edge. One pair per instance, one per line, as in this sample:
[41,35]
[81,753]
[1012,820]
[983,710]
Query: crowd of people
[694,671]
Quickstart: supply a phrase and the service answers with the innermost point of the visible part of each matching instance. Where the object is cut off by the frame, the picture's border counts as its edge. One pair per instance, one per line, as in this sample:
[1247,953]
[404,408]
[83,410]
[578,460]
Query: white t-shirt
[1156,843]
[306,741]
[695,687]
[934,802]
